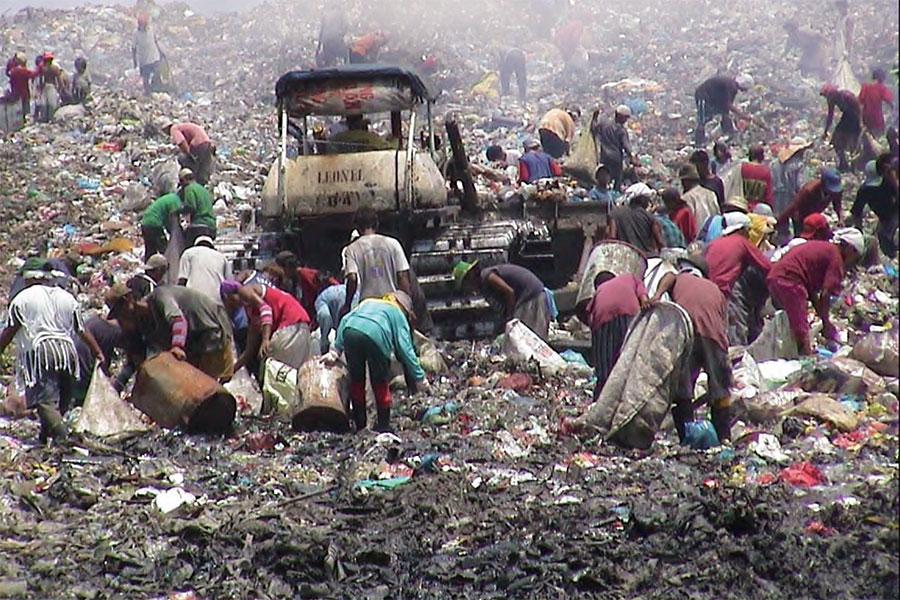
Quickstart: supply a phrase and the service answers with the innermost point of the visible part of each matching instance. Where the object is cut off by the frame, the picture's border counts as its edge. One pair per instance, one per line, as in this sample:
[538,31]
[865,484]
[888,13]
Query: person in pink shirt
[872,95]
[279,326]
[739,269]
[813,271]
[617,299]
[197,150]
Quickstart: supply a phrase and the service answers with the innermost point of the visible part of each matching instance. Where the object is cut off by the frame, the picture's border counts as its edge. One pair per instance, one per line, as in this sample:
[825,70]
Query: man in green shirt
[369,335]
[156,221]
[198,204]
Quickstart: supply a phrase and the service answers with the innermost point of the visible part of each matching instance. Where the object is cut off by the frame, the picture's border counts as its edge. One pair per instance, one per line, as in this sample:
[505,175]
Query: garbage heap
[484,490]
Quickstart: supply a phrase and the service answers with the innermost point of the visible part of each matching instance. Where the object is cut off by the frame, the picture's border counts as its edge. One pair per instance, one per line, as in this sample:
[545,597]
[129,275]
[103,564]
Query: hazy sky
[199,5]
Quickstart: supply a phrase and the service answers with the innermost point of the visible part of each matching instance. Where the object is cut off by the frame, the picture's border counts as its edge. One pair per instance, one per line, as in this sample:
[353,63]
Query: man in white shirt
[374,264]
[203,268]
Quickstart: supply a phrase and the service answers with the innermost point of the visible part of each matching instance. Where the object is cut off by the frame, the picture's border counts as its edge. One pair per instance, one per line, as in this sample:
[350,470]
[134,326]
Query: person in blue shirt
[368,336]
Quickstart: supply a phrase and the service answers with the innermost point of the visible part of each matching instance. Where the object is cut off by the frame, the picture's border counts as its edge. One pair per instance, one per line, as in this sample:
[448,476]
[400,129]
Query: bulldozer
[317,183]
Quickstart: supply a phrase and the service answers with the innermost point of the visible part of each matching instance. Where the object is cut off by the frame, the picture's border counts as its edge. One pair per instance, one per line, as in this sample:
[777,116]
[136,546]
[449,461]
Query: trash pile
[484,490]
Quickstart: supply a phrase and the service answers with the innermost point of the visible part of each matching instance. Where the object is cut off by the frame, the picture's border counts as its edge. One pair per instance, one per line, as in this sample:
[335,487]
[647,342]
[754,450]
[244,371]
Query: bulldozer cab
[353,167]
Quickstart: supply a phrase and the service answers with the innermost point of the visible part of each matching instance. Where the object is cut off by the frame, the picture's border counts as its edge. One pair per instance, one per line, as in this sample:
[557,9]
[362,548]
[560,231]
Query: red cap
[827,89]
[815,226]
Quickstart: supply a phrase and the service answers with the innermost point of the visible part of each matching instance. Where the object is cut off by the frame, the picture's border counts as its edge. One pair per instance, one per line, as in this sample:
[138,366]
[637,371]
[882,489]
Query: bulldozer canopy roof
[351,89]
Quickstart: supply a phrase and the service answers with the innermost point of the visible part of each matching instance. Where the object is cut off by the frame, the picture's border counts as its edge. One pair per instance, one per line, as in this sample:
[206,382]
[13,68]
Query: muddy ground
[500,504]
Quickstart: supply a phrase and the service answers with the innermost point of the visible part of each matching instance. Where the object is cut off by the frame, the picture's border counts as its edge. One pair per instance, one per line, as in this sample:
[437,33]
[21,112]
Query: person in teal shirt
[369,336]
[199,205]
[156,221]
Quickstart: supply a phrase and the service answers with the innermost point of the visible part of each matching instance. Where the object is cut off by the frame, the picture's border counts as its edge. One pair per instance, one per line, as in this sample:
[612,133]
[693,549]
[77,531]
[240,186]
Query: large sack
[429,356]
[639,391]
[104,413]
[521,344]
[582,160]
[609,255]
[69,112]
[839,376]
[827,409]
[878,350]
[324,389]
[775,341]
[164,177]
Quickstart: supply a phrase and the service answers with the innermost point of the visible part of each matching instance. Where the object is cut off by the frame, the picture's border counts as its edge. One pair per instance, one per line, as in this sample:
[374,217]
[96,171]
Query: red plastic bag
[803,474]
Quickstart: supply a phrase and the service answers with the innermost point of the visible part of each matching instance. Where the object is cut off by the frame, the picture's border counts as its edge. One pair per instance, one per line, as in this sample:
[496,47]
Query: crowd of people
[731,237]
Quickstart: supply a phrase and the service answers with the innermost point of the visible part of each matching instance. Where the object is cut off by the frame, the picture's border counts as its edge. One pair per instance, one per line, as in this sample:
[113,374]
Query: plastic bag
[522,344]
[487,85]
[582,159]
[280,394]
[244,389]
[879,352]
[804,474]
[825,408]
[429,356]
[104,414]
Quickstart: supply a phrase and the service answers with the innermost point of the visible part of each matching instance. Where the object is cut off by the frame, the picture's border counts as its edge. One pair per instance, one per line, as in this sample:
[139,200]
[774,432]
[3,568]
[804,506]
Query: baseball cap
[114,296]
[460,270]
[735,221]
[157,261]
[185,173]
[831,180]
[873,179]
[852,237]
[689,172]
[814,223]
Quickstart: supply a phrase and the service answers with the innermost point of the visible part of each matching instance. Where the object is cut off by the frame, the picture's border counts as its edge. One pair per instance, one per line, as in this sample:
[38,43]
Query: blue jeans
[328,307]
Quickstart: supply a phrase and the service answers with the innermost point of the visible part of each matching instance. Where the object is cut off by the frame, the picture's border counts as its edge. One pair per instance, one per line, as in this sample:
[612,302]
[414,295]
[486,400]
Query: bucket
[176,394]
[324,396]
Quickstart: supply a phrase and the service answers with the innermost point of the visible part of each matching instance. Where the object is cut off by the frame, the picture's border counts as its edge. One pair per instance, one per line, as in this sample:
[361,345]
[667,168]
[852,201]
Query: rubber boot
[358,404]
[721,420]
[383,406]
[52,425]
[682,414]
[384,420]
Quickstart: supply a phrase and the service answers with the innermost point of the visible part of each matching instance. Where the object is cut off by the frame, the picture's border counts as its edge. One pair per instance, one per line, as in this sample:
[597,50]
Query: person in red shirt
[279,327]
[739,269]
[757,178]
[567,38]
[814,196]
[871,96]
[366,48]
[305,283]
[846,133]
[680,213]
[813,271]
[617,299]
[19,77]
[706,305]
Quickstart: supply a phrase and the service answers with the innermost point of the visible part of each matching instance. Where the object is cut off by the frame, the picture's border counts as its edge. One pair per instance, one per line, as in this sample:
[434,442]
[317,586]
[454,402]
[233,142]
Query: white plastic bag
[244,389]
[105,414]
[522,344]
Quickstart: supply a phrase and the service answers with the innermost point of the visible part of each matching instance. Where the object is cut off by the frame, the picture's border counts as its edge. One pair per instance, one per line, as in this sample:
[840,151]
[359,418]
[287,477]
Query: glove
[331,356]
